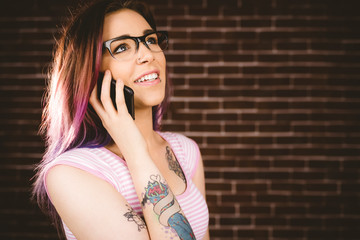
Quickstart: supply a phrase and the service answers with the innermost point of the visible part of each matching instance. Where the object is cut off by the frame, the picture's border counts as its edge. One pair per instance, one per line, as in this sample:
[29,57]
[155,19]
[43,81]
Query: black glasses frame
[138,40]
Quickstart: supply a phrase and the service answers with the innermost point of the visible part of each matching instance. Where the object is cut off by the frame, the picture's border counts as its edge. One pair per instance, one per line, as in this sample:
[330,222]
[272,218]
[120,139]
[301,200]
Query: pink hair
[68,120]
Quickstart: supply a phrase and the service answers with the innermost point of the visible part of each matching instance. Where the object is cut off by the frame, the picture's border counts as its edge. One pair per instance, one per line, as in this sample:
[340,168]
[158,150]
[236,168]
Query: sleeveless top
[111,168]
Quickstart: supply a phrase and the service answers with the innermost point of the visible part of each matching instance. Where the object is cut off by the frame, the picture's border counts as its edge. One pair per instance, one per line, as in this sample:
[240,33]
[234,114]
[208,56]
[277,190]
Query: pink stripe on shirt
[111,168]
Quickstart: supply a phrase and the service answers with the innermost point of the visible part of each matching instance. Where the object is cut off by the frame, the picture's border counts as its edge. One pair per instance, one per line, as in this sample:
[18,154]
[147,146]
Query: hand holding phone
[128,94]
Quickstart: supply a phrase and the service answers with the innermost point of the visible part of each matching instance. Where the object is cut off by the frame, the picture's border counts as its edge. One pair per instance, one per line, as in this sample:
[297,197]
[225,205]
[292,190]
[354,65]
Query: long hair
[68,121]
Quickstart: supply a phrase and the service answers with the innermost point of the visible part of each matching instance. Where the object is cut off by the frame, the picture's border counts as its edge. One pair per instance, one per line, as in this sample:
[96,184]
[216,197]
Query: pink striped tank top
[111,168]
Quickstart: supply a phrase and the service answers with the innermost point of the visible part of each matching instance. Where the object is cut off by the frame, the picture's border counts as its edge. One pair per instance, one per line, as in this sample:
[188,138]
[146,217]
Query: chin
[150,100]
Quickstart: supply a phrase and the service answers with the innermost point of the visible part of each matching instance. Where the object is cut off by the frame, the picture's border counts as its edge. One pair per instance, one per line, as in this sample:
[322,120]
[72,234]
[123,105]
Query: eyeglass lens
[125,48]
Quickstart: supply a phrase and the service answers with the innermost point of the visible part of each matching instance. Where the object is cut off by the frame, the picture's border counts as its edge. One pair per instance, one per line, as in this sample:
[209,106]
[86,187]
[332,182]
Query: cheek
[118,71]
[162,63]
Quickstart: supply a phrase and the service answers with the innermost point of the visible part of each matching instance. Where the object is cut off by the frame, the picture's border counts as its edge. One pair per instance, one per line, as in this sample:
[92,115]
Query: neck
[143,120]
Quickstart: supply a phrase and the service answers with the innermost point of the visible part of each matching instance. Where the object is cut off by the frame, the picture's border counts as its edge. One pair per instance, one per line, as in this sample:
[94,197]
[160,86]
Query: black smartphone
[128,94]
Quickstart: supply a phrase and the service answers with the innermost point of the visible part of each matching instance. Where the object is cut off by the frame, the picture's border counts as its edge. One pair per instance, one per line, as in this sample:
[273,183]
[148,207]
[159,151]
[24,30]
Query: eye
[121,48]
[151,40]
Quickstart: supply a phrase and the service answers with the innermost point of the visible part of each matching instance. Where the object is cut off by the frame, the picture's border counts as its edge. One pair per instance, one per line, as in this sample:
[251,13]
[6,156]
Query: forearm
[159,204]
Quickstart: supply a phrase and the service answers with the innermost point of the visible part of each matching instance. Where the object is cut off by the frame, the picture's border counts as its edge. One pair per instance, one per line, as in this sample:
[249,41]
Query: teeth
[149,77]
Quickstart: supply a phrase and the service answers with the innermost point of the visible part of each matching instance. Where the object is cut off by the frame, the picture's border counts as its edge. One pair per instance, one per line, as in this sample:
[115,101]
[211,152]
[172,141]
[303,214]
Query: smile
[148,78]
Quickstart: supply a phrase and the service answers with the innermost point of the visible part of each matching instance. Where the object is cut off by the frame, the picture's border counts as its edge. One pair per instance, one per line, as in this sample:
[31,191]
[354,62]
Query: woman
[105,175]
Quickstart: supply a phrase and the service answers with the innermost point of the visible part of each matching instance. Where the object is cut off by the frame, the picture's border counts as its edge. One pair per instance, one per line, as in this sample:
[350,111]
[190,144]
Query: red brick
[271,221]
[186,23]
[200,11]
[205,128]
[235,221]
[238,104]
[268,89]
[222,140]
[204,81]
[274,128]
[325,210]
[239,81]
[292,187]
[239,152]
[293,210]
[175,58]
[238,58]
[204,105]
[272,105]
[188,69]
[221,23]
[238,175]
[306,222]
[204,58]
[256,116]
[206,35]
[241,11]
[244,163]
[219,163]
[243,197]
[224,93]
[255,23]
[163,11]
[292,46]
[187,116]
[293,234]
[256,45]
[273,58]
[216,4]
[239,128]
[218,186]
[222,233]
[265,81]
[321,234]
[321,187]
[244,209]
[256,140]
[222,70]
[251,187]
[187,46]
[224,116]
[188,2]
[240,35]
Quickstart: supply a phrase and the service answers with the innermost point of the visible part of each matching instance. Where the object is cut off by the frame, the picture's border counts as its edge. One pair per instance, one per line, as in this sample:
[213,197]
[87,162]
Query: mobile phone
[128,94]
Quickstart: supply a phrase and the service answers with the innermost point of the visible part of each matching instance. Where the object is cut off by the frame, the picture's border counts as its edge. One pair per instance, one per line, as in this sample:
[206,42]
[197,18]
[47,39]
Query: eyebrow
[146,31]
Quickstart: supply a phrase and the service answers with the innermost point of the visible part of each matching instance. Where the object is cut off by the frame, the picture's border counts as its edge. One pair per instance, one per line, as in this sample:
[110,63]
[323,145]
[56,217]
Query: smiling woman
[105,175]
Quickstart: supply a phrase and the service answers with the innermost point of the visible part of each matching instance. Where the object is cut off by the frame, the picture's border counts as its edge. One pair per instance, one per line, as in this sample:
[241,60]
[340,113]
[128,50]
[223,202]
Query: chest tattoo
[173,164]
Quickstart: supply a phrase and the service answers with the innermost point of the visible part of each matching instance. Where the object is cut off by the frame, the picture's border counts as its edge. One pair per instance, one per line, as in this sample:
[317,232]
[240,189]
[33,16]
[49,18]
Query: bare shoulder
[91,207]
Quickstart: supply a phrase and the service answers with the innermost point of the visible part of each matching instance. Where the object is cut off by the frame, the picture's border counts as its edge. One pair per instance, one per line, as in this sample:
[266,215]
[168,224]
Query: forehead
[124,22]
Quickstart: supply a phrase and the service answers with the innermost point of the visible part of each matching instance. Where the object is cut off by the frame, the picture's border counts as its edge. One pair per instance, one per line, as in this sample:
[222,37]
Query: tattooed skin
[167,208]
[173,164]
[133,217]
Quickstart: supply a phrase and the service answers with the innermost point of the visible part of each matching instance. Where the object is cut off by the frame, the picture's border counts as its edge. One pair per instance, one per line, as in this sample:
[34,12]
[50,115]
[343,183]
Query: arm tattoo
[173,164]
[134,217]
[167,208]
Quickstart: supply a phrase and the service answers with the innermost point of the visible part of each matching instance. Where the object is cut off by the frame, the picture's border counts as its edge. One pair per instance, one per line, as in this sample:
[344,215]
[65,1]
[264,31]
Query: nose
[144,54]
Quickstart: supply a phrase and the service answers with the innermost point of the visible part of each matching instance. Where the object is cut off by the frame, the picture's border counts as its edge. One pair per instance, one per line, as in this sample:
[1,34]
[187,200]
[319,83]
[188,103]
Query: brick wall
[268,88]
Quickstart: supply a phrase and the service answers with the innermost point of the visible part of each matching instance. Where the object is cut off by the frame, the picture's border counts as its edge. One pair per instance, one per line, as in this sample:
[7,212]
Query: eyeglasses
[124,48]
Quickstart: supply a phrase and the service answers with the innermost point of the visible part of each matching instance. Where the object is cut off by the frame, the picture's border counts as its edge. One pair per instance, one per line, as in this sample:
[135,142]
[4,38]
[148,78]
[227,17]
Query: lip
[149,72]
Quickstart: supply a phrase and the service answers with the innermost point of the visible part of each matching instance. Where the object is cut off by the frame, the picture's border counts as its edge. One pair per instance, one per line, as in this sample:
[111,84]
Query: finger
[95,103]
[105,92]
[119,97]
